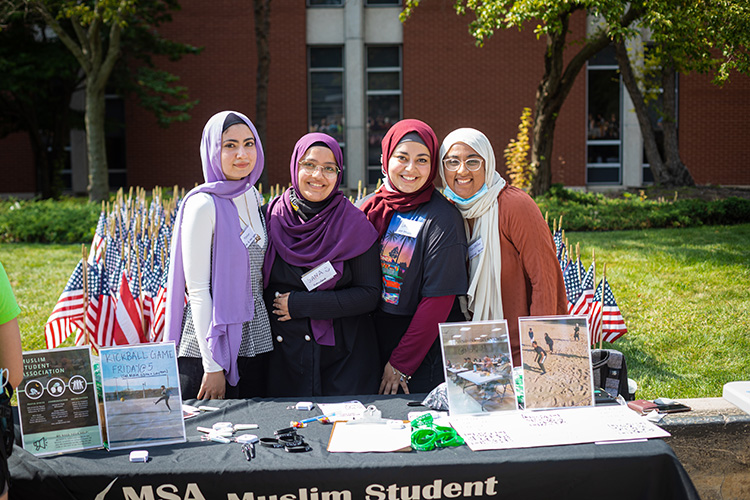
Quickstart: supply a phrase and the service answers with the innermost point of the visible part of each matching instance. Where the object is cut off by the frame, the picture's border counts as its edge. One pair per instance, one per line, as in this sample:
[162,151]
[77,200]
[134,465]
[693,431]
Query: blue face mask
[463,201]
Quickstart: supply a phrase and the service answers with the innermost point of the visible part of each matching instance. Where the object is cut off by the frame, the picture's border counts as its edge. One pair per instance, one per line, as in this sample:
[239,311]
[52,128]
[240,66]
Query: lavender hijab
[229,266]
[337,233]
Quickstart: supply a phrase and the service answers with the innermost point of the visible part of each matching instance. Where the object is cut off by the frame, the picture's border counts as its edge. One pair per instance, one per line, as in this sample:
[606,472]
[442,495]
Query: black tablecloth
[207,470]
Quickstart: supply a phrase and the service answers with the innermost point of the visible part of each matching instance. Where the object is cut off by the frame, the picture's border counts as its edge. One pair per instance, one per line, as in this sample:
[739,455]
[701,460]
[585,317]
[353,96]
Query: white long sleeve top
[198,223]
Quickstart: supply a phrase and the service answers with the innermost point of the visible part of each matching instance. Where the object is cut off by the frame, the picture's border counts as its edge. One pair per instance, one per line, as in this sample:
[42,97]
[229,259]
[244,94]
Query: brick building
[350,68]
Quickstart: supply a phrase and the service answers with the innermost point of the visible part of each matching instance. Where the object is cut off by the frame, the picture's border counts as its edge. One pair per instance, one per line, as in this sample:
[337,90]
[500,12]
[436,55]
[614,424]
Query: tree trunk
[96,146]
[658,168]
[262,10]
[555,87]
[678,172]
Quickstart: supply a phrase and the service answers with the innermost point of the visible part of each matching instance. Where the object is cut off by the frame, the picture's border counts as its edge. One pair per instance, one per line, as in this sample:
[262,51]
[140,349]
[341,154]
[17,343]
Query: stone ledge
[713,443]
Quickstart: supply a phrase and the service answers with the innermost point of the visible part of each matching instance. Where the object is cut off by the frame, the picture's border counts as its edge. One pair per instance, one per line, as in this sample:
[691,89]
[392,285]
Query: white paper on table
[349,437]
[346,411]
[554,427]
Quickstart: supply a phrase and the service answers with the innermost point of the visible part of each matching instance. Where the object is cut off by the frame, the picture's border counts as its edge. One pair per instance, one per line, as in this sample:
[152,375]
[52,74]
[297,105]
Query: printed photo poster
[57,402]
[556,361]
[478,370]
[142,400]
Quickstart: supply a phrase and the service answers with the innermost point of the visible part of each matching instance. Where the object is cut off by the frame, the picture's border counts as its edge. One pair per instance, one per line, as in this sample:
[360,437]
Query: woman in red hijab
[422,256]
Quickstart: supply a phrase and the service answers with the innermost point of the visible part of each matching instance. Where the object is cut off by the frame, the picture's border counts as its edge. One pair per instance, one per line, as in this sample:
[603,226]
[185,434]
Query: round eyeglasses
[453,164]
[310,168]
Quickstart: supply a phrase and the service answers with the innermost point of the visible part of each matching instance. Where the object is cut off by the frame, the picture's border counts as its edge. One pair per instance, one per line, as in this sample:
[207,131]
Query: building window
[379,3]
[327,91]
[325,3]
[383,101]
[604,103]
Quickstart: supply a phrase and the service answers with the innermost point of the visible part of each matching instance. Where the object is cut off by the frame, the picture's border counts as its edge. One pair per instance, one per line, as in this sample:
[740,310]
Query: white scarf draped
[484,294]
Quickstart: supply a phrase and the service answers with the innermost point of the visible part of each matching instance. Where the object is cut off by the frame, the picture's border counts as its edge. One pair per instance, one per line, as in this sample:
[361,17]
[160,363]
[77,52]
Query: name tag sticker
[319,275]
[476,248]
[249,237]
[409,228]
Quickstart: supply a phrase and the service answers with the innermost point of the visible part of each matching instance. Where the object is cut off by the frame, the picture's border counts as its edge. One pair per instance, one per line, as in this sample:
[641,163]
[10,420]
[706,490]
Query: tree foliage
[113,43]
[707,36]
[685,36]
[551,20]
[520,171]
[35,96]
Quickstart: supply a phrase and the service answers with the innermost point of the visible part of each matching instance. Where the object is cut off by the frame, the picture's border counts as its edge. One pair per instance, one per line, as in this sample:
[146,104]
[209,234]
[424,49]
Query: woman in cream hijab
[513,268]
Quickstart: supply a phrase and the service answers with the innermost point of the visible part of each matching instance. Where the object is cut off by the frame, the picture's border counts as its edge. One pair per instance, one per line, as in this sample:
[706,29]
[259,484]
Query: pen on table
[311,419]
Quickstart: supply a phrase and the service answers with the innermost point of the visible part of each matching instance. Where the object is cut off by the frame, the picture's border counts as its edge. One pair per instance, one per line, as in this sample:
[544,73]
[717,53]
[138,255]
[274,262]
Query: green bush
[73,220]
[595,212]
[69,220]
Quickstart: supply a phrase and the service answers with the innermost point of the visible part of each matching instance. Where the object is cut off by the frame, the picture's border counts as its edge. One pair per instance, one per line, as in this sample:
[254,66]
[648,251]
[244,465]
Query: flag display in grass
[125,278]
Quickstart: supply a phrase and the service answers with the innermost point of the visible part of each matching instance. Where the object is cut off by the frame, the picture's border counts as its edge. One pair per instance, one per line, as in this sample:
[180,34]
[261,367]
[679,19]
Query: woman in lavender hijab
[322,276]
[222,333]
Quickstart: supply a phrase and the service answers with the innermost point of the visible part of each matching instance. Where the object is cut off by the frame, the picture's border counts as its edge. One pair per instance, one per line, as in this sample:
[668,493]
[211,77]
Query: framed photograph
[556,358]
[142,399]
[478,367]
[57,402]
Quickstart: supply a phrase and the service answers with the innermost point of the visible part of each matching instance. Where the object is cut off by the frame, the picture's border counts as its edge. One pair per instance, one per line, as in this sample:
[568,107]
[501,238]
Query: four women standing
[355,297]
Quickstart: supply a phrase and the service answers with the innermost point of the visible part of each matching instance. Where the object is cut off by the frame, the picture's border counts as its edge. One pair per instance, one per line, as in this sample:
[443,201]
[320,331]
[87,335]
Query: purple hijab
[229,266]
[337,233]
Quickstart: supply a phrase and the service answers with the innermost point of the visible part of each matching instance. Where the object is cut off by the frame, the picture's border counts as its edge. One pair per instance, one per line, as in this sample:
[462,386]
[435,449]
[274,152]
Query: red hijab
[380,207]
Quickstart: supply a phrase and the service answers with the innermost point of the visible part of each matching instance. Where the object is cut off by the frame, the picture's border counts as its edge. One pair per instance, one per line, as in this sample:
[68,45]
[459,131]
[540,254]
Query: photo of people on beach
[556,362]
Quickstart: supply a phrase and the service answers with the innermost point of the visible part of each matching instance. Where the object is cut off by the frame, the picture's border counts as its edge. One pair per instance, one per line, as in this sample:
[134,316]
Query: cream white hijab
[484,295]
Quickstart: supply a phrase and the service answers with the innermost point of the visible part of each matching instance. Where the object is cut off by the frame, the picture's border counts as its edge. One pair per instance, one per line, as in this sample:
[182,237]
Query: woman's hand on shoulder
[213,386]
[281,306]
[391,381]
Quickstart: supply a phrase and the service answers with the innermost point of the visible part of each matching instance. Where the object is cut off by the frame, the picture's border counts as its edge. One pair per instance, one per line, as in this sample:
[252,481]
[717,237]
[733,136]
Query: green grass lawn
[684,293]
[685,296]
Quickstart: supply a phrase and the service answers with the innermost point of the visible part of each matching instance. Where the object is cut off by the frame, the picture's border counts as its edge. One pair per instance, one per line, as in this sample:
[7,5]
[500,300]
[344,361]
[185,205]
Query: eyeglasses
[327,170]
[453,164]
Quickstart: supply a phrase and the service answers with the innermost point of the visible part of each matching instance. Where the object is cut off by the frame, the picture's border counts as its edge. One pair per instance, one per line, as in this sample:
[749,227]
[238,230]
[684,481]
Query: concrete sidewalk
[713,443]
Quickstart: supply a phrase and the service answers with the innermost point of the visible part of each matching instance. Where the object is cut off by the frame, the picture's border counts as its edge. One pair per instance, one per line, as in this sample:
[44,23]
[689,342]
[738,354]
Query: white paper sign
[476,248]
[343,411]
[409,228]
[528,429]
[319,275]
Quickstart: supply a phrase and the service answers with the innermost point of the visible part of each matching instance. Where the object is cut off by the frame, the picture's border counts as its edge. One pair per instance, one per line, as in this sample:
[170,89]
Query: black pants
[252,384]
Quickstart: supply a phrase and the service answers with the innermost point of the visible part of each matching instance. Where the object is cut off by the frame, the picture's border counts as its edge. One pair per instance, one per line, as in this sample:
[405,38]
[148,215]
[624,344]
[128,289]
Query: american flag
[595,314]
[562,257]
[67,314]
[127,277]
[95,252]
[558,239]
[572,286]
[106,320]
[128,327]
[613,324]
[583,301]
[85,333]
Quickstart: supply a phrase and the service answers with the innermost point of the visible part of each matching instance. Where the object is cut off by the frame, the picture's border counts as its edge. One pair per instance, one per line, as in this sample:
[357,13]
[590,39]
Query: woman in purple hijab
[322,277]
[221,328]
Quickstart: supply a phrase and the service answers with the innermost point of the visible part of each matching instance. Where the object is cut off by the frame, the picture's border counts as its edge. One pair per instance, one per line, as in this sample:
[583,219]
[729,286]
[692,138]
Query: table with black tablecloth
[206,470]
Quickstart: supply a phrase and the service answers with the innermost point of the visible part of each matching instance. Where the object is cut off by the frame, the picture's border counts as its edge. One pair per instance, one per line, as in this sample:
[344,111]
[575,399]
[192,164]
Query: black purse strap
[595,365]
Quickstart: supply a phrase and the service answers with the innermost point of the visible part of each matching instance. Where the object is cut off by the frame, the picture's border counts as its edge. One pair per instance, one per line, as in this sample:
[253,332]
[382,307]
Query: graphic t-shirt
[423,254]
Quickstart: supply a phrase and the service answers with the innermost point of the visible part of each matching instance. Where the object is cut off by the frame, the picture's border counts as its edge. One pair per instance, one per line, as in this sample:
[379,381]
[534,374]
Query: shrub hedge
[595,212]
[68,220]
[73,220]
